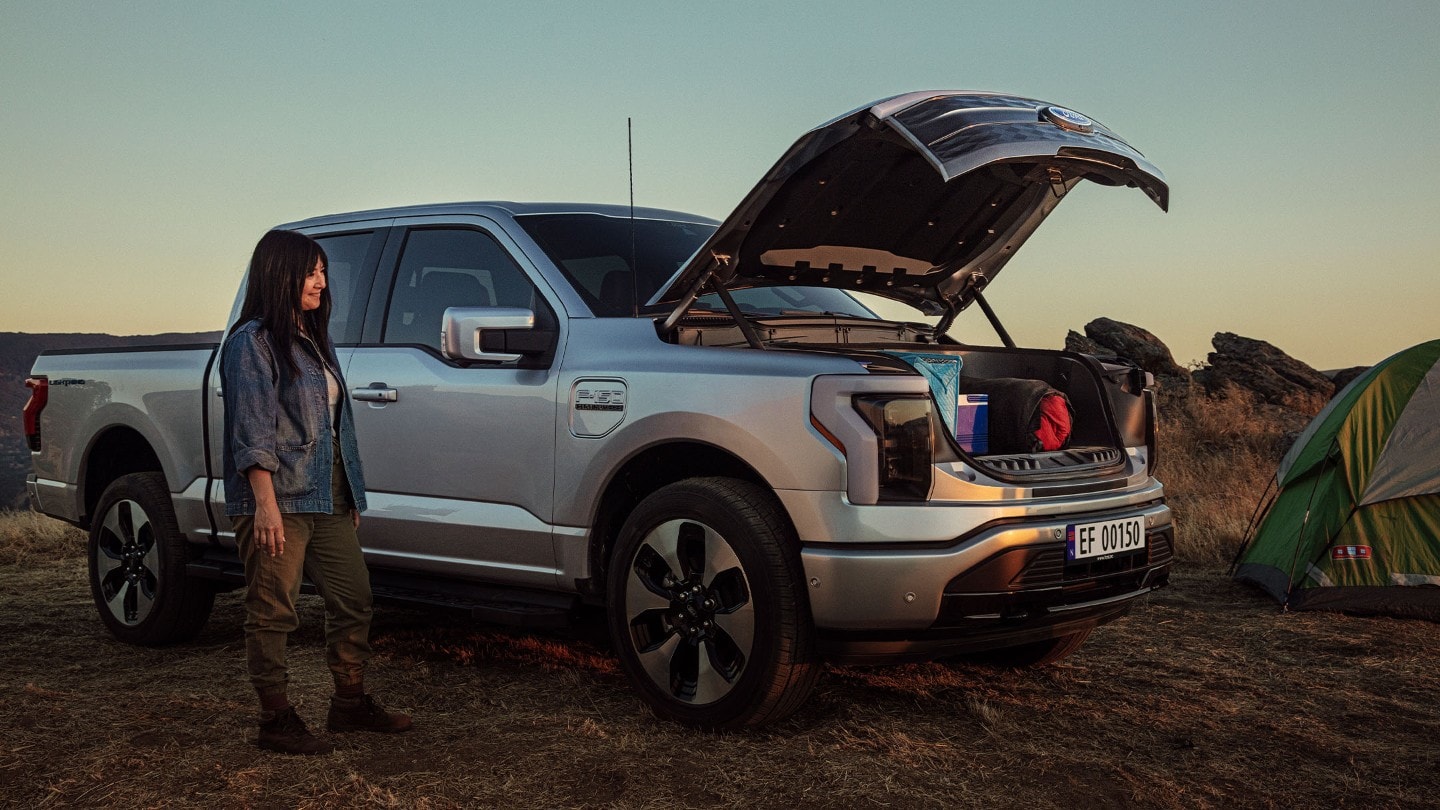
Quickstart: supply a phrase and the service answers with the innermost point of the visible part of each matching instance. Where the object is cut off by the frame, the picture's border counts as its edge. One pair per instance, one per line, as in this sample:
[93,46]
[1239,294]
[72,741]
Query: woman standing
[294,490]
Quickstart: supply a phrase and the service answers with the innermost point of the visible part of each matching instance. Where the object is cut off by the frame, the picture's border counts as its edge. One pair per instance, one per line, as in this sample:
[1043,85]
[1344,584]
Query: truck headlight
[902,425]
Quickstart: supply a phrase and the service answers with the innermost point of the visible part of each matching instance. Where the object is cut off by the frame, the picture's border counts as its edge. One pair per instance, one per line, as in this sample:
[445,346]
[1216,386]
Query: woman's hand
[269,526]
[270,529]
[355,517]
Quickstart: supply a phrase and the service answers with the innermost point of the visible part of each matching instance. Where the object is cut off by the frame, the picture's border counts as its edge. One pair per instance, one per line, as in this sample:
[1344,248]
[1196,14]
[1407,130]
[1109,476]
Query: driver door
[458,455]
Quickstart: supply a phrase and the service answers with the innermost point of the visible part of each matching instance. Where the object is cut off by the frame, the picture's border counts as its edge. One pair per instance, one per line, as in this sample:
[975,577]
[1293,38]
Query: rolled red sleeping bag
[1026,416]
[1055,421]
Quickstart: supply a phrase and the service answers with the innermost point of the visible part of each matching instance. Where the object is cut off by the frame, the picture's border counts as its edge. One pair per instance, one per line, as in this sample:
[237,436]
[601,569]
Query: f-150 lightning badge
[597,406]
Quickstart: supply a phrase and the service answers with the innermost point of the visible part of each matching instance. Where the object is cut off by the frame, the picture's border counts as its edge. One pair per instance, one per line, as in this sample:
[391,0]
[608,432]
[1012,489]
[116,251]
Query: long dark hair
[278,268]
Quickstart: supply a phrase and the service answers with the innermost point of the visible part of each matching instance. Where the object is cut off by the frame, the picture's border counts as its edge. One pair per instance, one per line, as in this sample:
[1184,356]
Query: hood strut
[994,321]
[711,277]
[747,328]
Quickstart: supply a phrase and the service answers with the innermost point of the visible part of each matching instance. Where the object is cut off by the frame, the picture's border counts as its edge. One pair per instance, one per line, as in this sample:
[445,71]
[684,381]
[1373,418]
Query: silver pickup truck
[706,430]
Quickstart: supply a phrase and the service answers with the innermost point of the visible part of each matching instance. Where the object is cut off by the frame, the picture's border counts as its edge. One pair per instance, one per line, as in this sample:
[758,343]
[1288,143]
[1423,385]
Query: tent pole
[1262,507]
[1329,544]
[1299,541]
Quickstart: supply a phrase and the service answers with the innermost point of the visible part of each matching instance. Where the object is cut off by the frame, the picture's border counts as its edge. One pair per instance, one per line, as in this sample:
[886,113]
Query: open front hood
[921,198]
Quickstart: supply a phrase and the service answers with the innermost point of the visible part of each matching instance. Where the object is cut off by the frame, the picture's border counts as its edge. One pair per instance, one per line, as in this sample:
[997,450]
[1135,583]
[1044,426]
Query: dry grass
[1204,696]
[1217,456]
[31,537]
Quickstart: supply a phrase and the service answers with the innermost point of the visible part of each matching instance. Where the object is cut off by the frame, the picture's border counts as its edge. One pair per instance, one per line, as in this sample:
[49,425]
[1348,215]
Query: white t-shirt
[332,386]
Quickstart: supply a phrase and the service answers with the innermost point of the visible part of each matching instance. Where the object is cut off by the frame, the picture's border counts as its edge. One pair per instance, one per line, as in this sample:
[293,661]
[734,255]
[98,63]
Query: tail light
[902,425]
[39,395]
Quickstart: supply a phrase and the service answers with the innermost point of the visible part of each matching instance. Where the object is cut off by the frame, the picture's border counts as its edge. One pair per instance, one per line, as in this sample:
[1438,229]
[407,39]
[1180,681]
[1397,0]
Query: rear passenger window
[346,254]
[442,268]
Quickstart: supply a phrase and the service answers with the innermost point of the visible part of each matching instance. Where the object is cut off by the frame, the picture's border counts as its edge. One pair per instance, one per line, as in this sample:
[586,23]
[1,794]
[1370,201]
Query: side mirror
[484,333]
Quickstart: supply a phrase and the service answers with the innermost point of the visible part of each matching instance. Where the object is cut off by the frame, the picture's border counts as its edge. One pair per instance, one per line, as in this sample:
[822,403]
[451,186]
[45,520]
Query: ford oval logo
[1069,119]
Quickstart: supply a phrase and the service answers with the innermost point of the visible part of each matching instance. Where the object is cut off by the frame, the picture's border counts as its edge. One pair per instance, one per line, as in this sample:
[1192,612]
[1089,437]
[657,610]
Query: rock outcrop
[1343,377]
[1076,342]
[1104,336]
[1271,374]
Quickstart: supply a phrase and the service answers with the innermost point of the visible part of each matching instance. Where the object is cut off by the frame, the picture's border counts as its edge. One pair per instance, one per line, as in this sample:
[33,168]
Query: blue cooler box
[972,423]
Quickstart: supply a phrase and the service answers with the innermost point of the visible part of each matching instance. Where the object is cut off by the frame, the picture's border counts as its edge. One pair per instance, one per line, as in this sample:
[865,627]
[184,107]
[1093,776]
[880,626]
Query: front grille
[1048,567]
[1029,586]
[1044,566]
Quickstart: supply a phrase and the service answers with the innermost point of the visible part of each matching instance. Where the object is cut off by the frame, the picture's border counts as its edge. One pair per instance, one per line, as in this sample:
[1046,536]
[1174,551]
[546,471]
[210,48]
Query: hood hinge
[952,311]
[717,260]
[1057,182]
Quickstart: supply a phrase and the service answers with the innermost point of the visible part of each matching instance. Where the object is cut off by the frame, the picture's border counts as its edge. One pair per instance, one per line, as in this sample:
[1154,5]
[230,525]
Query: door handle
[377,392]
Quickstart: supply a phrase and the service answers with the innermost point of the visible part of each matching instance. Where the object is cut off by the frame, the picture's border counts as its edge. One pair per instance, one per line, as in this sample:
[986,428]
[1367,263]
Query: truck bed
[114,395]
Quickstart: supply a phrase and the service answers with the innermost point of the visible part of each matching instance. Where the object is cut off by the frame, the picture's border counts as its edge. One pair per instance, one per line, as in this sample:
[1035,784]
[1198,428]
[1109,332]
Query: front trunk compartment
[1096,444]
[1108,401]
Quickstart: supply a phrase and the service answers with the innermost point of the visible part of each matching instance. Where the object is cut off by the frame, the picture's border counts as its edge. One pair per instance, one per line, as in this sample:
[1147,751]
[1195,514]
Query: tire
[137,566]
[1034,654]
[707,606]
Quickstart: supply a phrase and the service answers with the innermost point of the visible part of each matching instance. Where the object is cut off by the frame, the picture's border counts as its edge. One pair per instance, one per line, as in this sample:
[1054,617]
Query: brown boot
[364,713]
[283,731]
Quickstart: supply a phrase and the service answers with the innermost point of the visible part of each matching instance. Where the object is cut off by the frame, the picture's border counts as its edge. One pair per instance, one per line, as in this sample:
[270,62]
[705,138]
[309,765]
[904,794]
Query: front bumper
[1006,583]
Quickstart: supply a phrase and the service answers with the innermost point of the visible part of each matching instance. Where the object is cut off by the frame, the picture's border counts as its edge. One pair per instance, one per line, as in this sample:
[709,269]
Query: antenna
[634,261]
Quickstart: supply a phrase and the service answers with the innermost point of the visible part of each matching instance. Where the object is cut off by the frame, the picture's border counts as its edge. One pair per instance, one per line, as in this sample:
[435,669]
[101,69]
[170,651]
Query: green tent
[1355,523]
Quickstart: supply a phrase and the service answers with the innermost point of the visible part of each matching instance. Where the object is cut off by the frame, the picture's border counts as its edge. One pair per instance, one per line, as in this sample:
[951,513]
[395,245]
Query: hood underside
[921,198]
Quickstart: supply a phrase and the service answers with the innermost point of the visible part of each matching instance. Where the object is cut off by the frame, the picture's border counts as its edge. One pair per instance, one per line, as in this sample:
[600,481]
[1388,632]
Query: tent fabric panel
[1413,550]
[1268,578]
[1324,496]
[1410,462]
[1405,603]
[1415,580]
[1362,436]
[1392,537]
[1313,443]
[1290,542]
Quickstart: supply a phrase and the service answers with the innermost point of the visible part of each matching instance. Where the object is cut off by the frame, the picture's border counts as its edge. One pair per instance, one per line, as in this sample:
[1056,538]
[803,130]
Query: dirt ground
[1204,696]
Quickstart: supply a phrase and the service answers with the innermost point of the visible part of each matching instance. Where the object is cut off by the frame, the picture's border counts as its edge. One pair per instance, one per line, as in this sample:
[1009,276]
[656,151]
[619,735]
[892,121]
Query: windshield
[789,301]
[594,252]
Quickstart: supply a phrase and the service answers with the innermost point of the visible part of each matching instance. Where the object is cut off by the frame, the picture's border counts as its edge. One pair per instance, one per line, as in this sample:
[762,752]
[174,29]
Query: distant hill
[18,351]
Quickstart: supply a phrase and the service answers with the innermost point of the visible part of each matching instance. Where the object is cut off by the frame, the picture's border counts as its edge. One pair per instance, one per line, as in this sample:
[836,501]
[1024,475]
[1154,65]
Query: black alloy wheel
[707,606]
[137,565]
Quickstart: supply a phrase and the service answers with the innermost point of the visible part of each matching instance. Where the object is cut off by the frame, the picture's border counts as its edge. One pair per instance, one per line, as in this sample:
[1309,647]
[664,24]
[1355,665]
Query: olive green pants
[325,549]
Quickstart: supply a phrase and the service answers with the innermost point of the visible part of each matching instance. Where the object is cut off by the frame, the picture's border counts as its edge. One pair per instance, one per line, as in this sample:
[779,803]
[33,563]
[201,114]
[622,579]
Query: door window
[442,268]
[346,254]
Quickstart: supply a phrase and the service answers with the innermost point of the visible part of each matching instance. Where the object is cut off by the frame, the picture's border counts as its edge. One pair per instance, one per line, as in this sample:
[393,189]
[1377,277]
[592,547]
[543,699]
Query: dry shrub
[32,537]
[1218,454]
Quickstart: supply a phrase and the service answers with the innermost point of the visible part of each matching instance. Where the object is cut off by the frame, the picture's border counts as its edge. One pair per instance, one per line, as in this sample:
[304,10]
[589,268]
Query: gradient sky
[146,146]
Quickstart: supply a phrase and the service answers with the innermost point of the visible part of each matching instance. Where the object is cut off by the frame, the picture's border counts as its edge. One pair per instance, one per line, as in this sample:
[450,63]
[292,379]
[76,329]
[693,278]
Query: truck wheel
[707,606]
[1034,654]
[137,565]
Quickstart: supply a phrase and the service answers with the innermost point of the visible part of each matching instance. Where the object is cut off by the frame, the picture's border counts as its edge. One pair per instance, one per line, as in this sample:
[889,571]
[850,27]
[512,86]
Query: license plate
[1104,539]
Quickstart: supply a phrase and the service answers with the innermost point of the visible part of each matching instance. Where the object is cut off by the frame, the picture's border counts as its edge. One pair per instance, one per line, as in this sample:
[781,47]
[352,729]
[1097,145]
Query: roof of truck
[492,208]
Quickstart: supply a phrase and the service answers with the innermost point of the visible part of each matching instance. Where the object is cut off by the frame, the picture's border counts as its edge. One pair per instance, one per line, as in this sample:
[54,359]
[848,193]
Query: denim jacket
[283,424]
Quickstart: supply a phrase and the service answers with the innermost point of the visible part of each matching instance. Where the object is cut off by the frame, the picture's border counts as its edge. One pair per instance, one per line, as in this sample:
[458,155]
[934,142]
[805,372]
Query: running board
[532,610]
[493,604]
